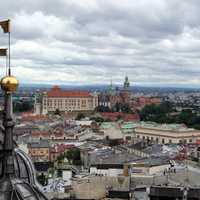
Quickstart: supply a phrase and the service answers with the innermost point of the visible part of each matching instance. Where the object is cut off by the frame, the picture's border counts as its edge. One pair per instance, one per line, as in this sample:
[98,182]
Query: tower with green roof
[126,83]
[111,90]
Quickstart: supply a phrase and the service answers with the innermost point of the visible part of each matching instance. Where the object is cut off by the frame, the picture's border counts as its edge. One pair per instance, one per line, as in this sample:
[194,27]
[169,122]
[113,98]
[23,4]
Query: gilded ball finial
[9,84]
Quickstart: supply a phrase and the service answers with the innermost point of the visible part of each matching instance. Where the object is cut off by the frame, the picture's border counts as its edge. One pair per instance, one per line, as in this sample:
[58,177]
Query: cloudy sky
[154,42]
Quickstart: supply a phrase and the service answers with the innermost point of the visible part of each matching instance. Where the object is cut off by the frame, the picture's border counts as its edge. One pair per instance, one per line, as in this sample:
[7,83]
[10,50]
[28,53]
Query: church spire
[17,179]
[110,89]
[126,83]
[9,85]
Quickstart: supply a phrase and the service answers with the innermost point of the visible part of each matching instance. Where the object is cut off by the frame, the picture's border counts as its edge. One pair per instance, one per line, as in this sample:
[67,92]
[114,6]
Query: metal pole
[7,64]
[9,72]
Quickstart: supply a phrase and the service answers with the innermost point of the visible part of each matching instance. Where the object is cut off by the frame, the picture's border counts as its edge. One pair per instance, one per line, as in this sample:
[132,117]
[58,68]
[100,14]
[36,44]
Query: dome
[9,83]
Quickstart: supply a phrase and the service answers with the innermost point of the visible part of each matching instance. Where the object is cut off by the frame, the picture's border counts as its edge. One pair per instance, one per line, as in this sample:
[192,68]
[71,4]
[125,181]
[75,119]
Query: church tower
[125,92]
[126,83]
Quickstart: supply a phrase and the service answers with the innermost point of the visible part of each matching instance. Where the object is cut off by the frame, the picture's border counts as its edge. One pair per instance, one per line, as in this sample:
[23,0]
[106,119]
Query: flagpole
[6,64]
[9,72]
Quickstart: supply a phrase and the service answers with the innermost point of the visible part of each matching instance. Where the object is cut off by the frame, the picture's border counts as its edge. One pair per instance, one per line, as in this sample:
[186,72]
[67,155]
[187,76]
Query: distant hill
[33,87]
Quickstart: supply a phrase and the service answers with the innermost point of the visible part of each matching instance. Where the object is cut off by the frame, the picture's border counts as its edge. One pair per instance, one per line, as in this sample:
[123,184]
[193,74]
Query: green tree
[22,106]
[161,114]
[73,155]
[117,107]
[57,111]
[157,113]
[102,109]
[97,119]
[80,116]
[42,179]
[126,109]
[119,117]
[108,120]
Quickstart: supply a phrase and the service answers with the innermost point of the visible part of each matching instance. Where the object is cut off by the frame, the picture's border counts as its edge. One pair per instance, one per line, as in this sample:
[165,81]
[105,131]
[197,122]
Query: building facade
[167,135]
[65,101]
[39,151]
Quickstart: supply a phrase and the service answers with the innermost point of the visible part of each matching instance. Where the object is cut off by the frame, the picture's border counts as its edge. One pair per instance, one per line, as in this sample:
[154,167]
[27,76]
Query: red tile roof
[131,117]
[40,134]
[58,134]
[126,117]
[198,141]
[34,118]
[57,92]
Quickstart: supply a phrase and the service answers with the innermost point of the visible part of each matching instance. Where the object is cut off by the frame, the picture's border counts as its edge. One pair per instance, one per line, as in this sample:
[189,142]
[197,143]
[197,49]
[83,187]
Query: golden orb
[9,84]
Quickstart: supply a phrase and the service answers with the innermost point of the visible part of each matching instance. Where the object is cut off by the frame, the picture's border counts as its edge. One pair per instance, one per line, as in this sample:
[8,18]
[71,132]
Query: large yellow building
[65,101]
[164,134]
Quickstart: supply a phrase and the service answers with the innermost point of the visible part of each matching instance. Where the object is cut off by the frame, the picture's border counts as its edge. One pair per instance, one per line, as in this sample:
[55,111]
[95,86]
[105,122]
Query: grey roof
[154,161]
[109,157]
[40,144]
[154,149]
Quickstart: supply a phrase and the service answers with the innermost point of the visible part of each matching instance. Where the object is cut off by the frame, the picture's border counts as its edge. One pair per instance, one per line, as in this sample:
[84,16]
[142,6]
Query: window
[128,137]
[157,140]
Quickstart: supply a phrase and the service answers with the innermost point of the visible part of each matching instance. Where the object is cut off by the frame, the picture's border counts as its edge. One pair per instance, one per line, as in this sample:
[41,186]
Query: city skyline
[91,42]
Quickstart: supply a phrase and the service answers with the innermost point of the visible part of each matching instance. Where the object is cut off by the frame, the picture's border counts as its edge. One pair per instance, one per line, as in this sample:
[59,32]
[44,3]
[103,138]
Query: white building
[112,170]
[64,101]
[167,133]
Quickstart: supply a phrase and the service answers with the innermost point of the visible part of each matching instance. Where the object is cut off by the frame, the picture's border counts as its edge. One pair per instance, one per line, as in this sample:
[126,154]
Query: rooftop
[167,127]
[157,126]
[41,144]
[57,92]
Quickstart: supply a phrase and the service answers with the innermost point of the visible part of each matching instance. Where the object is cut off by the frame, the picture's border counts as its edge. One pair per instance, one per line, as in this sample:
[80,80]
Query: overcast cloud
[154,42]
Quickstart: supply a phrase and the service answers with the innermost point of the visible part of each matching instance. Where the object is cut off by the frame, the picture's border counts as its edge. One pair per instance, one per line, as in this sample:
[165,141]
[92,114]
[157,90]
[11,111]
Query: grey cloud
[90,41]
